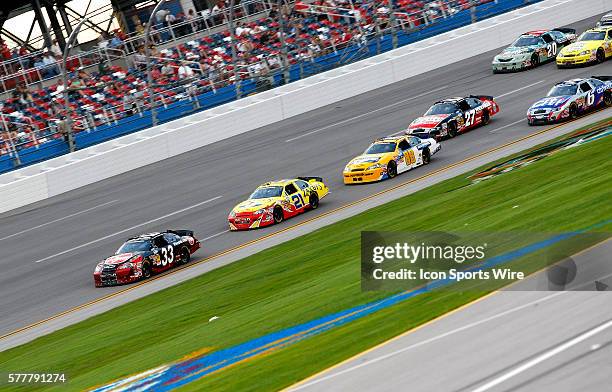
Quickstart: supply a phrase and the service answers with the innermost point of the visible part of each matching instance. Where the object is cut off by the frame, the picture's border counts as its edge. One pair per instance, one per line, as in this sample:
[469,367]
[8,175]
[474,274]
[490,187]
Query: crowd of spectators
[108,93]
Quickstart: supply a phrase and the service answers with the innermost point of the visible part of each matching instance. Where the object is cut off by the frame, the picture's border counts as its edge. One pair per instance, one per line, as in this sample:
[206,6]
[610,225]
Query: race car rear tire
[573,112]
[185,256]
[278,215]
[426,156]
[146,271]
[607,98]
[486,117]
[600,56]
[313,200]
[392,169]
[452,130]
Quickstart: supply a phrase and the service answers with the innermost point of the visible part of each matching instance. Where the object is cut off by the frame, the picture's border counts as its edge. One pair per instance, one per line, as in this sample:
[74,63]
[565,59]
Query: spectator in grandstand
[104,67]
[167,70]
[55,49]
[185,72]
[51,67]
[193,23]
[140,59]
[22,95]
[115,41]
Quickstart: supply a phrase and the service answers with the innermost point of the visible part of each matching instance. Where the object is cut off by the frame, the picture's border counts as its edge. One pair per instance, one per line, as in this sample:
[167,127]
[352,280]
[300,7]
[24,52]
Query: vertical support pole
[147,43]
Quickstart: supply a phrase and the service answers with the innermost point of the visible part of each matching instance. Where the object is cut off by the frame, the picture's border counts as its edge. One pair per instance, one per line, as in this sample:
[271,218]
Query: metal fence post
[150,81]
[284,53]
[69,43]
[233,46]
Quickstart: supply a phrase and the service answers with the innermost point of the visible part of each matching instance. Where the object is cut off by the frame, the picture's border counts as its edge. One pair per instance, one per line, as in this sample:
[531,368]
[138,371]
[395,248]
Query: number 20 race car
[567,100]
[533,48]
[140,257]
[452,116]
[276,201]
[389,156]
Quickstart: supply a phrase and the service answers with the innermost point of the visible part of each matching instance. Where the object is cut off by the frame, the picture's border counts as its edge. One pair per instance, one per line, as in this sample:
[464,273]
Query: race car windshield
[268,191]
[134,246]
[592,36]
[526,41]
[379,148]
[563,89]
[441,108]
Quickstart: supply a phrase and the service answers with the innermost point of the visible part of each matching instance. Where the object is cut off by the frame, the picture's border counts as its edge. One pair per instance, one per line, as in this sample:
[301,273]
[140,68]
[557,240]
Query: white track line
[128,229]
[366,114]
[214,235]
[507,126]
[543,357]
[395,104]
[430,340]
[58,220]
[519,89]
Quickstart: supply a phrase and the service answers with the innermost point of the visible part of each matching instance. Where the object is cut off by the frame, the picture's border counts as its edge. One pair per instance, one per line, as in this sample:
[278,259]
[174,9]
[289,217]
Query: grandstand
[196,65]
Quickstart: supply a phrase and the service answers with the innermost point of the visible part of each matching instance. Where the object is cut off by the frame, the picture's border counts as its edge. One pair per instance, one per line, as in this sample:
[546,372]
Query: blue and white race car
[569,99]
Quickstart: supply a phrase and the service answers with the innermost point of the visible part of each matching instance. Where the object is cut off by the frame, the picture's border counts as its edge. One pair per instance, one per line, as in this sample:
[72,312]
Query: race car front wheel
[391,169]
[146,270]
[278,215]
[535,61]
[452,130]
[314,201]
[426,156]
[600,56]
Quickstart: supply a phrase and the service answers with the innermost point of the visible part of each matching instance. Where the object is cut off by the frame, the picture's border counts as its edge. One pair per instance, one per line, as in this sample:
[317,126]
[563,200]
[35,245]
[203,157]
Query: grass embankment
[315,275]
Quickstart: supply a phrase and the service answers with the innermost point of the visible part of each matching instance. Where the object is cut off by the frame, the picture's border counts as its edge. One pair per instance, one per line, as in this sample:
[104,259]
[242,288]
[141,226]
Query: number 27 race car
[449,117]
[147,254]
[276,201]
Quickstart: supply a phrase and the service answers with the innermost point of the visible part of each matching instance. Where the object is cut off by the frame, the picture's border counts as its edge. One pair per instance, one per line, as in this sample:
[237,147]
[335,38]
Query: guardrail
[71,171]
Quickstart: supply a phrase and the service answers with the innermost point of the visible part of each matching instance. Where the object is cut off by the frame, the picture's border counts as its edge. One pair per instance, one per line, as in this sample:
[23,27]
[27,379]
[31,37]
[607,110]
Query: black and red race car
[147,254]
[452,116]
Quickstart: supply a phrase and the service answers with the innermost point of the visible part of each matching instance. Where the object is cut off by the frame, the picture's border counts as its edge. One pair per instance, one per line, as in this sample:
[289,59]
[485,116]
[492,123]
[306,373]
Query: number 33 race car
[140,257]
[276,201]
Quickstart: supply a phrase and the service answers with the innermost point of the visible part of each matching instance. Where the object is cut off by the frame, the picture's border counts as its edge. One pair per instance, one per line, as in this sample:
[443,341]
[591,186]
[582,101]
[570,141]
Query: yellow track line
[241,246]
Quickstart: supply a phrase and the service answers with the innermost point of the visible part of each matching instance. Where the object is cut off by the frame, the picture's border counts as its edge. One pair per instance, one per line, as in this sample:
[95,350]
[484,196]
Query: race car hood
[580,46]
[365,160]
[428,121]
[517,50]
[551,102]
[118,259]
[253,205]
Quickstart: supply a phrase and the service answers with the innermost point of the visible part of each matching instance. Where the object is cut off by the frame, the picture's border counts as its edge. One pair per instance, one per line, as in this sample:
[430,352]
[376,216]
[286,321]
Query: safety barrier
[71,171]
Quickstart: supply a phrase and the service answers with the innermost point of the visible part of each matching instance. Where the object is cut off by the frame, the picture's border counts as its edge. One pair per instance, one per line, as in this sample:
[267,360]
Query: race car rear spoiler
[182,233]
[565,30]
[308,179]
[602,78]
[487,97]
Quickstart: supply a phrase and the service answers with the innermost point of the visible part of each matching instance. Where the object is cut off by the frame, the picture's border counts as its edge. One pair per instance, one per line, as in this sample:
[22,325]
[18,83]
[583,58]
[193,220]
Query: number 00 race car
[593,46]
[140,257]
[533,48]
[276,201]
[389,156]
[452,116]
[566,100]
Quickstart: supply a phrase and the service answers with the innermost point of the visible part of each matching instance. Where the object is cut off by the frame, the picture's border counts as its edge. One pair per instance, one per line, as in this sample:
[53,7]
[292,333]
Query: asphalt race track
[515,340]
[48,250]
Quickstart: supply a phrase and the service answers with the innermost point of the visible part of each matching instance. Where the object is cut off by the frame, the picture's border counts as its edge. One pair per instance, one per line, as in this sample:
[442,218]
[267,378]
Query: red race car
[449,117]
[147,254]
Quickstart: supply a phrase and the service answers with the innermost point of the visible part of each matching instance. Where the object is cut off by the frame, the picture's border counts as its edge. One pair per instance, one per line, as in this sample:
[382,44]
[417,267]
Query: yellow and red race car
[388,157]
[276,201]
